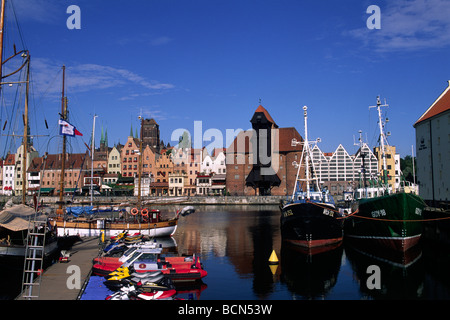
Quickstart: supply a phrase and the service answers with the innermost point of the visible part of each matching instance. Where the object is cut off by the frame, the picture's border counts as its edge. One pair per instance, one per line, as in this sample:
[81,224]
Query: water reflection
[310,276]
[235,244]
[245,238]
[401,275]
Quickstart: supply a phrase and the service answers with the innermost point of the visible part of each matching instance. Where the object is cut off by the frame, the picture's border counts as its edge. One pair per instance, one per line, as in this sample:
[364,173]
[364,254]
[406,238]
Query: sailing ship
[309,219]
[18,221]
[384,218]
[148,222]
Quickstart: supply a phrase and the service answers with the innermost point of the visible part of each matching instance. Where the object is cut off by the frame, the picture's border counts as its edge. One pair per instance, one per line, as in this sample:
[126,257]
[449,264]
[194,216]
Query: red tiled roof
[269,118]
[440,105]
[10,160]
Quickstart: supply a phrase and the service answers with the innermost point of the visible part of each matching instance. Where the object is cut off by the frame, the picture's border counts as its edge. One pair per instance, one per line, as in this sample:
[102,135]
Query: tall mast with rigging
[63,154]
[140,166]
[2,23]
[25,136]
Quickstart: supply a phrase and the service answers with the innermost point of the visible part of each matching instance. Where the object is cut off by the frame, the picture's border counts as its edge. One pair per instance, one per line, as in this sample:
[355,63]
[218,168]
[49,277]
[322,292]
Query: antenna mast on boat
[382,137]
[306,145]
[305,150]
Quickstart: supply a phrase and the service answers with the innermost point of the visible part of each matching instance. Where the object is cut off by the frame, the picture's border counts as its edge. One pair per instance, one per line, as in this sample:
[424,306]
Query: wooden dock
[55,280]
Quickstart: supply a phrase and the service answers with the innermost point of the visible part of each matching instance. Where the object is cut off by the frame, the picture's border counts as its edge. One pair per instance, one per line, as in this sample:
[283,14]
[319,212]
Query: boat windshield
[151,257]
[127,254]
[134,256]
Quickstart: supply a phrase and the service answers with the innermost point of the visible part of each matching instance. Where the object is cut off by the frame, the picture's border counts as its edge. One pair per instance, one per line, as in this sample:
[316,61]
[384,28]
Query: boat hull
[391,221]
[97,227]
[310,225]
[19,251]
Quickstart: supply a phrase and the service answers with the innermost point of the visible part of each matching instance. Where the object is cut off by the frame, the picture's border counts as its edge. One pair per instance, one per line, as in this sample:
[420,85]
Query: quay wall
[195,200]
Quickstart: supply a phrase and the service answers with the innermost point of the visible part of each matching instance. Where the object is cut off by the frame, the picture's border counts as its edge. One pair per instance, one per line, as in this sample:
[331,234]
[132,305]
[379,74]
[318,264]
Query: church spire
[102,137]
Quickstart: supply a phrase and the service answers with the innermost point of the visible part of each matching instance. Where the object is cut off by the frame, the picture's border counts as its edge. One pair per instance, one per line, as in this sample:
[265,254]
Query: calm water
[235,245]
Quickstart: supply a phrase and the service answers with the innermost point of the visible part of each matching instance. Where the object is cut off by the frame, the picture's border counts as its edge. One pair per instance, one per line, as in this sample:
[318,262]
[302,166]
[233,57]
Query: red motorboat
[148,260]
[175,268]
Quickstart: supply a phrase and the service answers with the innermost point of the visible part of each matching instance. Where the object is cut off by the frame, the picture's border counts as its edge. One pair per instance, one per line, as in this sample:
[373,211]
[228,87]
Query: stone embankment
[196,200]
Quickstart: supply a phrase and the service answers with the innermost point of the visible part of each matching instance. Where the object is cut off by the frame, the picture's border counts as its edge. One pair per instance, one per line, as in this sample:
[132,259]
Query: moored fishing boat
[384,218]
[309,219]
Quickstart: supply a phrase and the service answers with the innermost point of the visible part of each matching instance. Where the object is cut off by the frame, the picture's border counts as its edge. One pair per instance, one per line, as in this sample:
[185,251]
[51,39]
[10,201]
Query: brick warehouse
[245,170]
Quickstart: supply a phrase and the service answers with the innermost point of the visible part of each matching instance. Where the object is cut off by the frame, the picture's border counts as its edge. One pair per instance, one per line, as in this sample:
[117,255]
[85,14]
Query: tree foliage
[406,166]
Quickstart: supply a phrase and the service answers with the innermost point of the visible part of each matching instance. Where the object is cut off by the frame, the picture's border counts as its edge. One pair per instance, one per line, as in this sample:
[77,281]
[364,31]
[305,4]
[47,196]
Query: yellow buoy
[273,258]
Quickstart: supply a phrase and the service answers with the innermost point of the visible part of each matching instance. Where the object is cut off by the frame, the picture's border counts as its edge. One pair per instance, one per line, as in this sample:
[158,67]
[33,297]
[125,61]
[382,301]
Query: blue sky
[211,61]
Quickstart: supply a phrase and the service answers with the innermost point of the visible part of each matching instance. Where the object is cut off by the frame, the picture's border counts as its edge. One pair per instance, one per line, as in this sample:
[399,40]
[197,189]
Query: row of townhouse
[171,172]
[189,171]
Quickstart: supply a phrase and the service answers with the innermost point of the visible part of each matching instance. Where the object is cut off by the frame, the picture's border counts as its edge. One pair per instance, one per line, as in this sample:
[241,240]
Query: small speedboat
[187,211]
[149,260]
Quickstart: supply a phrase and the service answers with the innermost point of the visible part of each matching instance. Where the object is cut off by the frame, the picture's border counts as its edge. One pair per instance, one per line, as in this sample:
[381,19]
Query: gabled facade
[114,161]
[130,156]
[9,169]
[20,170]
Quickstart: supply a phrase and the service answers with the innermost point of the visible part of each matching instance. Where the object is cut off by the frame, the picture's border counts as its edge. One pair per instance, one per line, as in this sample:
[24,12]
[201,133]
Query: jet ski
[145,282]
[133,293]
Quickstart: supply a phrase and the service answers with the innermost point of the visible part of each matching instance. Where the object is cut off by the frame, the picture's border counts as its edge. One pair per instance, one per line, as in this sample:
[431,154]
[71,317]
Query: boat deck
[55,278]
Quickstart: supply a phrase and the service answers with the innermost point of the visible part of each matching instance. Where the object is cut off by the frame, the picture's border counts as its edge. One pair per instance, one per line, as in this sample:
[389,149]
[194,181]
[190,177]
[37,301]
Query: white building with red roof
[433,150]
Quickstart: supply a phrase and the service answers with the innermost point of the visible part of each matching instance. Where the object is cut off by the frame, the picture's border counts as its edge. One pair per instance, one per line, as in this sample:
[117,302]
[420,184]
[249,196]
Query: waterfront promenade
[54,280]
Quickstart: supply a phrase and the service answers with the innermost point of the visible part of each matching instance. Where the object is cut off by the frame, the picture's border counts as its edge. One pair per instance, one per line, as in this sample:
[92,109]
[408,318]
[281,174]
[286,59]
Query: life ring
[134,211]
[144,212]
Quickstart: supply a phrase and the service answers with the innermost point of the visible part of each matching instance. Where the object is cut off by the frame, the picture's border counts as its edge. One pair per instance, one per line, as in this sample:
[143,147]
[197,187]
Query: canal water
[235,243]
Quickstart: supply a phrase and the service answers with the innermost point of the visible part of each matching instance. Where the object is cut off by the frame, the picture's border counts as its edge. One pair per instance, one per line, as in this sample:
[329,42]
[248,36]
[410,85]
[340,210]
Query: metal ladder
[34,258]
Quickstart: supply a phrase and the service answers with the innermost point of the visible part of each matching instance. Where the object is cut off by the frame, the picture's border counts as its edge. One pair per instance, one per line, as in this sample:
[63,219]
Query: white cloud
[409,25]
[88,77]
[160,41]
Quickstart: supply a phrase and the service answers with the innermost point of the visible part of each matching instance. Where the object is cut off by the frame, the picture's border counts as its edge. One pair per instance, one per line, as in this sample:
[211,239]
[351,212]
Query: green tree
[406,166]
